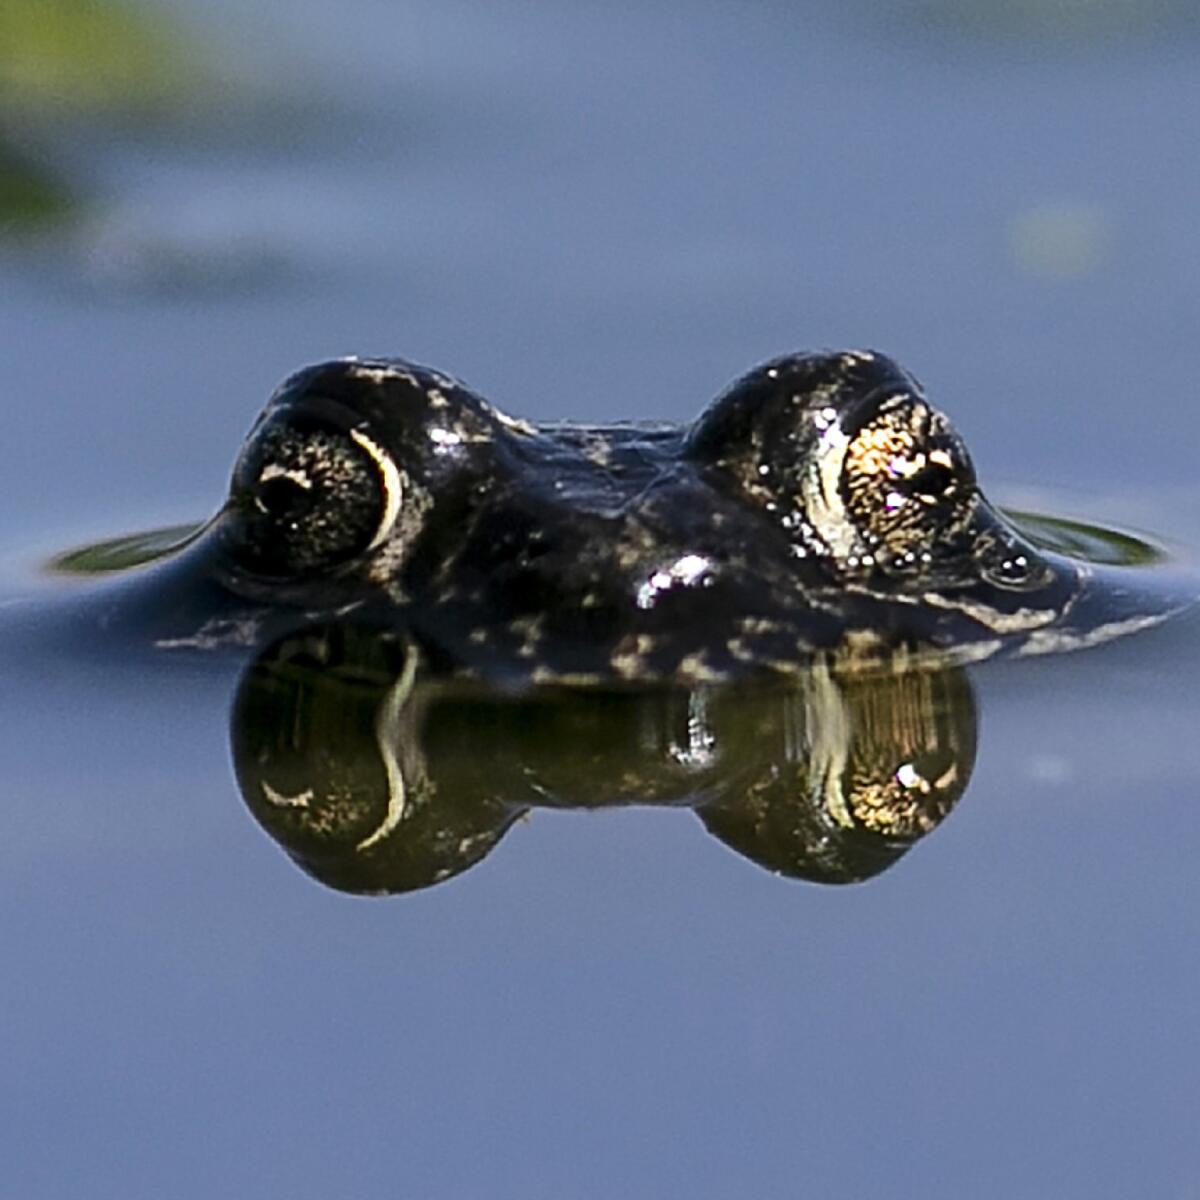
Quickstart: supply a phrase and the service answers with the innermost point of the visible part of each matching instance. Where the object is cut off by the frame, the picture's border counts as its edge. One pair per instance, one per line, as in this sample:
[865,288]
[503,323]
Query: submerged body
[820,507]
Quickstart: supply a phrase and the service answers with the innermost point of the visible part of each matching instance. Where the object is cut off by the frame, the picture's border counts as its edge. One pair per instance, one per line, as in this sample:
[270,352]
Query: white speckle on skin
[572,678]
[993,618]
[515,424]
[598,450]
[693,667]
[215,633]
[380,373]
[1054,641]
[975,652]
[738,649]
[686,571]
[627,665]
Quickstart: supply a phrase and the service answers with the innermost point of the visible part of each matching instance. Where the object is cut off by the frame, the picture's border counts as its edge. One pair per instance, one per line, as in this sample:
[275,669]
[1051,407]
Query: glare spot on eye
[764,469]
[825,418]
[907,776]
[893,501]
[905,468]
[689,568]
[648,592]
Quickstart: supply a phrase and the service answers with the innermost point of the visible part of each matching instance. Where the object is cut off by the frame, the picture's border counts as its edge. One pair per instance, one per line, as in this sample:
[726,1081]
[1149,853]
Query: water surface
[598,212]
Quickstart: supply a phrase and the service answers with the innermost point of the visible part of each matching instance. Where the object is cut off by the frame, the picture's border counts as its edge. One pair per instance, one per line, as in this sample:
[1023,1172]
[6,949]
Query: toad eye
[907,482]
[308,495]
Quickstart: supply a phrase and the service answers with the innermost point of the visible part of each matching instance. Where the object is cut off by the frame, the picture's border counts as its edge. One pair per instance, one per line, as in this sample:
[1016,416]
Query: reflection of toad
[374,781]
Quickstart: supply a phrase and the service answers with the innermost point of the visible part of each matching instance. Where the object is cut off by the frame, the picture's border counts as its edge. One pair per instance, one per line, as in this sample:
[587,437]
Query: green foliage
[89,55]
[77,59]
[119,554]
[31,195]
[1088,542]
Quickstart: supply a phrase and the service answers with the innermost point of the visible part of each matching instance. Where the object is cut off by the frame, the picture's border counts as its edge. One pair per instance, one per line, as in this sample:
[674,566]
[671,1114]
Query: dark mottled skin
[820,506]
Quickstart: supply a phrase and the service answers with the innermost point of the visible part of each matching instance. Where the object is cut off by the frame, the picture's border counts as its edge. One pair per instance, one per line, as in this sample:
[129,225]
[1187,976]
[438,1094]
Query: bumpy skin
[819,506]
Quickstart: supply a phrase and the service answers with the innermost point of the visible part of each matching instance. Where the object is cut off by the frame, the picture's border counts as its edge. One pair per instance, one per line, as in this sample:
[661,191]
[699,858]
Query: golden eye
[907,483]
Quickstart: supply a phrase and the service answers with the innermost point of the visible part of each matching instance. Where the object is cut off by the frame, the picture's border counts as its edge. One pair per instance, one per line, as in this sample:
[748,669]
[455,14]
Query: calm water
[598,211]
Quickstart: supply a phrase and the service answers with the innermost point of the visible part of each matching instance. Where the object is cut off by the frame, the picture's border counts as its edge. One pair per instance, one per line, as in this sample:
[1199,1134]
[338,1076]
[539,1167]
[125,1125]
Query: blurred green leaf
[31,194]
[119,554]
[78,59]
[1092,543]
[84,55]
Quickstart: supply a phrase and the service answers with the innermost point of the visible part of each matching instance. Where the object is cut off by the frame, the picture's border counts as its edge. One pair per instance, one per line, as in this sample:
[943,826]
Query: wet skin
[820,508]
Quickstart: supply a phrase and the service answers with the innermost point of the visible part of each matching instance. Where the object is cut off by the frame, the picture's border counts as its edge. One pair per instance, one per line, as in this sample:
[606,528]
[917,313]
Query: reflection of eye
[906,481]
[907,801]
[307,496]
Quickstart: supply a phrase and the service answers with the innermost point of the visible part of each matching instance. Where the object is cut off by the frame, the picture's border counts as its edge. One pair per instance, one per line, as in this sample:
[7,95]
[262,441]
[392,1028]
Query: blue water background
[599,211]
